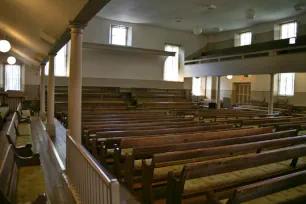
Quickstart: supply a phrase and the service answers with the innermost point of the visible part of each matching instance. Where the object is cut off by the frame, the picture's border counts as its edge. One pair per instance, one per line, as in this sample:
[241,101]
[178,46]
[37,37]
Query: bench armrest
[27,161]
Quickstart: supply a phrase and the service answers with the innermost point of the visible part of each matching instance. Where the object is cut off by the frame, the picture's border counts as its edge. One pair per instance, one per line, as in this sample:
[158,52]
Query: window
[119,35]
[245,38]
[12,77]
[171,69]
[197,86]
[288,30]
[286,84]
[60,62]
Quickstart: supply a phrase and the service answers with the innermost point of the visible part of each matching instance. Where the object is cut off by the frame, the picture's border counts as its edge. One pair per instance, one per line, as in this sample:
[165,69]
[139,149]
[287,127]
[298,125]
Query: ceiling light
[197,30]
[178,20]
[5,46]
[11,60]
[250,14]
[218,29]
[299,7]
[211,7]
[229,76]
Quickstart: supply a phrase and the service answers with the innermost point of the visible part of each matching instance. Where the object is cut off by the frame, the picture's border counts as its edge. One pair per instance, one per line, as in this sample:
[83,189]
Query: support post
[42,112]
[218,92]
[271,93]
[75,82]
[50,103]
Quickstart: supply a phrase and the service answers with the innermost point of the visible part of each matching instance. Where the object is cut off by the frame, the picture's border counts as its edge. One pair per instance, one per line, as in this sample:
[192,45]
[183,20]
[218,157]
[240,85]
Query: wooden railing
[248,55]
[91,182]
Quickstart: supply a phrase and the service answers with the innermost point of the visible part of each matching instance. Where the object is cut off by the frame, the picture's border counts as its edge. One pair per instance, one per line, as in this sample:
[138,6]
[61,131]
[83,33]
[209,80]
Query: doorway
[242,93]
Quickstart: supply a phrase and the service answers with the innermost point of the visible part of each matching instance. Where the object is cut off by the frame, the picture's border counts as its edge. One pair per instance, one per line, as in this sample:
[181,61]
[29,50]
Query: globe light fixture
[197,30]
[250,14]
[5,46]
[229,76]
[11,60]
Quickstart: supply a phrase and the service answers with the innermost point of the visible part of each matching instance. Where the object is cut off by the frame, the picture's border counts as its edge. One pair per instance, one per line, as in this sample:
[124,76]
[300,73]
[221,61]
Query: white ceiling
[229,14]
[23,21]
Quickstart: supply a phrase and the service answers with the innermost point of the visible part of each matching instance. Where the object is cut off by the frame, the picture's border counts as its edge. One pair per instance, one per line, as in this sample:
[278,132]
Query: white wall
[144,36]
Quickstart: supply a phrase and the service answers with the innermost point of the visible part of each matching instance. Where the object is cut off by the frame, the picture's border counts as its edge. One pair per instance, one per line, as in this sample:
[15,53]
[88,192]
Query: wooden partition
[91,182]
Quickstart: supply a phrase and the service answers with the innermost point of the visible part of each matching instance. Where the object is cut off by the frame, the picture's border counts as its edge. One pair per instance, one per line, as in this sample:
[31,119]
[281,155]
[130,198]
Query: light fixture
[299,7]
[11,60]
[250,14]
[5,46]
[218,29]
[197,30]
[178,20]
[229,76]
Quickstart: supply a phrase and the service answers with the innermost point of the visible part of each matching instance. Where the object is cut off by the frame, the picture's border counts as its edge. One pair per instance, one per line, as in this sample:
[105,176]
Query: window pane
[288,30]
[196,86]
[60,63]
[171,69]
[286,84]
[12,77]
[119,35]
[245,38]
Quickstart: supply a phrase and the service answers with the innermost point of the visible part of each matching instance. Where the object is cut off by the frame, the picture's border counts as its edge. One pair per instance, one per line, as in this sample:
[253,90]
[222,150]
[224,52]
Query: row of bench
[21,175]
[141,150]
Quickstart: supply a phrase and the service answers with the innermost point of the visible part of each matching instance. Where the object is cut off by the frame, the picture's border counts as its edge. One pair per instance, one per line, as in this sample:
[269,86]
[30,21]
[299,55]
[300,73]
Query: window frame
[5,79]
[279,85]
[67,66]
[178,59]
[200,86]
[244,32]
[285,23]
[126,36]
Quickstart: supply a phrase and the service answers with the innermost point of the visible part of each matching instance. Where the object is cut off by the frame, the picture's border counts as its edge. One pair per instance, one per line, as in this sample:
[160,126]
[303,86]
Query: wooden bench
[22,179]
[289,188]
[132,161]
[193,180]
[4,112]
[19,134]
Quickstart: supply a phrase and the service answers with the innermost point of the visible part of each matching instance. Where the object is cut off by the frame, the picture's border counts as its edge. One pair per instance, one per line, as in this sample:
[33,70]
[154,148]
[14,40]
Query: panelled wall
[260,88]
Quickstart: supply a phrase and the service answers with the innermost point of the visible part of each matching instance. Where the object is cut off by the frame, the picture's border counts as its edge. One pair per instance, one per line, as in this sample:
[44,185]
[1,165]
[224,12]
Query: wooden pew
[11,175]
[177,190]
[276,186]
[101,136]
[141,153]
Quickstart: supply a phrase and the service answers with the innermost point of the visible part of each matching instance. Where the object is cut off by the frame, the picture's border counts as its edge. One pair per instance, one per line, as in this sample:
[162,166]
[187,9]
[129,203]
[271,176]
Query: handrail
[272,52]
[91,182]
[107,177]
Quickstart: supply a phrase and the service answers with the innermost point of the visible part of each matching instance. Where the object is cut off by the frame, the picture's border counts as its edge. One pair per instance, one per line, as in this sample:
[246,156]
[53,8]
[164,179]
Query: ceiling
[229,14]
[33,26]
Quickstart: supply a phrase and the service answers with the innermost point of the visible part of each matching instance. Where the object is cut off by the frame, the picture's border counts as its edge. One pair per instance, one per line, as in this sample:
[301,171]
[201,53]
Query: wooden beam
[86,14]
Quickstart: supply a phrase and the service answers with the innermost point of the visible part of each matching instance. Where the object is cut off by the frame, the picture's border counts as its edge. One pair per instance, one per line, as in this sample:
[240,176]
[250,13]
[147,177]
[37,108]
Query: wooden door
[243,93]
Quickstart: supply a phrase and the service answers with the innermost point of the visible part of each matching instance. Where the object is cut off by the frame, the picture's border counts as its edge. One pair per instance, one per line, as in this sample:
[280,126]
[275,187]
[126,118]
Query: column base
[42,115]
[51,130]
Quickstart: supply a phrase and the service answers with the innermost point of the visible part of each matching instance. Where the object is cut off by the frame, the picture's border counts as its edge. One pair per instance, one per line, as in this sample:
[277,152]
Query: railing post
[271,94]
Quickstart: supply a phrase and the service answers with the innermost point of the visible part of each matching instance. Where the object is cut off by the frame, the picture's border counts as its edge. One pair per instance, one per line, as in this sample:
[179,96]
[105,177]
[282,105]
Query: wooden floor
[59,142]
[57,189]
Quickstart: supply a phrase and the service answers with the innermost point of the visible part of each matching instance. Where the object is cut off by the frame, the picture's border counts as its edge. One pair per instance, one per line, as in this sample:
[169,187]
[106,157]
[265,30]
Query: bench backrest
[194,137]
[145,152]
[210,168]
[267,187]
[160,131]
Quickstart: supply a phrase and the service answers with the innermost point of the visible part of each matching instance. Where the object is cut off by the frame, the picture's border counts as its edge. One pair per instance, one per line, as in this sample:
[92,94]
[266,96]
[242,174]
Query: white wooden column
[50,102]
[218,92]
[42,112]
[75,82]
[271,93]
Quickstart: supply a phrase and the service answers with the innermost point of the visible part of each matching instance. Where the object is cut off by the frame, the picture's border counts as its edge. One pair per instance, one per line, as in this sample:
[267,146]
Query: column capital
[51,54]
[43,64]
[77,27]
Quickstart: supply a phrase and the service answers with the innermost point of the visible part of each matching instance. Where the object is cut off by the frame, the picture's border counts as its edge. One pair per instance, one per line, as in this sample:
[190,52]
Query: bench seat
[216,181]
[30,183]
[280,197]
[22,141]
[26,113]
[4,111]
[24,129]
